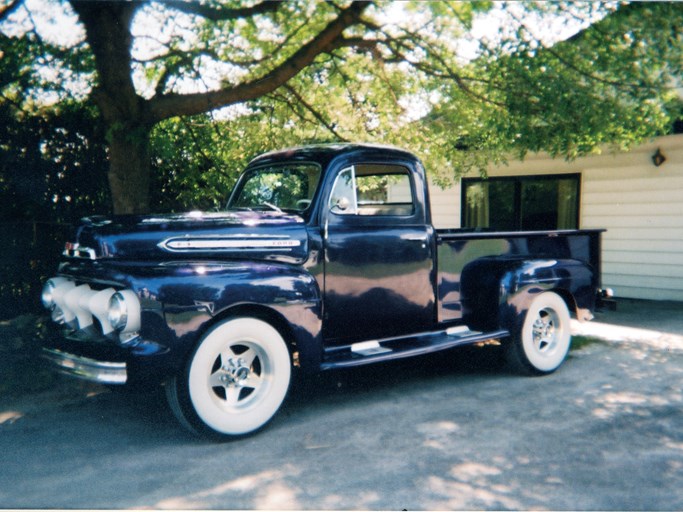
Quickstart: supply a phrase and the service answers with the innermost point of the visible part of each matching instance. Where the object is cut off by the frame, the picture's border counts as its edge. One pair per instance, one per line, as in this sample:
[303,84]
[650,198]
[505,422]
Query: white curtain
[566,204]
[477,211]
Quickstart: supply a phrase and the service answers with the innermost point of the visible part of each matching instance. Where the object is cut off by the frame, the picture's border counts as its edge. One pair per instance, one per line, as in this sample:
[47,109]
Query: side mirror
[341,205]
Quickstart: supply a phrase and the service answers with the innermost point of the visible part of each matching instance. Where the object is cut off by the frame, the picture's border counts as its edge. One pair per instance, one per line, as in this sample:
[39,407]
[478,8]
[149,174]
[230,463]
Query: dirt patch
[580,342]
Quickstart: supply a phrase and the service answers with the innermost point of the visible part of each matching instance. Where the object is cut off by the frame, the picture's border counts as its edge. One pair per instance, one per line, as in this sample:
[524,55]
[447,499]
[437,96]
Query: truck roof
[325,153]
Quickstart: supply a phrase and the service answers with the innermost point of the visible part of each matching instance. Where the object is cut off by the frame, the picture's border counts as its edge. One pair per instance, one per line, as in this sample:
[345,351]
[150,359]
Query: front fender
[192,303]
[181,300]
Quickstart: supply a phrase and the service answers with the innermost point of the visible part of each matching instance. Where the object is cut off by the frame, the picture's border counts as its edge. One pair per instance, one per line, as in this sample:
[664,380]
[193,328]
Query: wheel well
[568,299]
[255,311]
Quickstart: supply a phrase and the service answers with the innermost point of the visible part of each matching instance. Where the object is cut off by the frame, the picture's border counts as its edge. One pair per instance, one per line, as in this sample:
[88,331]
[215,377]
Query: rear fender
[497,291]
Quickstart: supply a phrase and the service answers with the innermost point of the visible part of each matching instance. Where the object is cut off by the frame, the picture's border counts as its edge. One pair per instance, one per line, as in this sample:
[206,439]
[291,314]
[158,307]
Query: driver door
[378,256]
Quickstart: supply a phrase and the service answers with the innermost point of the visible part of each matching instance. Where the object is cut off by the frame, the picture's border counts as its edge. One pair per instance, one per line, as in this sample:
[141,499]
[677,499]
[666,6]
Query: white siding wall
[640,205]
[445,206]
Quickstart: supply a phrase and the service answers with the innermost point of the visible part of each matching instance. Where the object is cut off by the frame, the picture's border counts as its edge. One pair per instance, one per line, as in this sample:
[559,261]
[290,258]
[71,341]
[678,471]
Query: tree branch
[7,10]
[220,13]
[170,105]
[346,80]
[355,42]
[446,70]
[314,112]
[574,40]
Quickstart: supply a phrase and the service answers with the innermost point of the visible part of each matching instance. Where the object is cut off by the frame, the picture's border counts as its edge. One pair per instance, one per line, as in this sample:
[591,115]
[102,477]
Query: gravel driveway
[439,432]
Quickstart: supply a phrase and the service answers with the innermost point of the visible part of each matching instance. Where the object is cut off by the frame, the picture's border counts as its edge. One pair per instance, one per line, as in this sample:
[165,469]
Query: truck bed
[458,249]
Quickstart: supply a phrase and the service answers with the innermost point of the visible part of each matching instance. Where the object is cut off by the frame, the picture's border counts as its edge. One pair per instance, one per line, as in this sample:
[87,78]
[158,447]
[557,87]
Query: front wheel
[235,381]
[542,343]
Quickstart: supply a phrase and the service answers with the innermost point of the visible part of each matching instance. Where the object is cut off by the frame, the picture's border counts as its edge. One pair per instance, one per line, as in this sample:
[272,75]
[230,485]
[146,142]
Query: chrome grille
[76,251]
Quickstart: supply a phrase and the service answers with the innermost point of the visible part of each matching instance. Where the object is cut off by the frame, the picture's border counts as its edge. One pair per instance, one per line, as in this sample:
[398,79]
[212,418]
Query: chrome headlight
[47,297]
[124,311]
[55,288]
[118,312]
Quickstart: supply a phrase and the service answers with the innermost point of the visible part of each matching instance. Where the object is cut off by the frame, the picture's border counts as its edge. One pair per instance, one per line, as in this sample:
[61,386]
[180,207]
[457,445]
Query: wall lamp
[658,158]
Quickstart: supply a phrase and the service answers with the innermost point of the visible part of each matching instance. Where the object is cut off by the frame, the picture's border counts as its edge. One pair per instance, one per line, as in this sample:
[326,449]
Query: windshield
[287,187]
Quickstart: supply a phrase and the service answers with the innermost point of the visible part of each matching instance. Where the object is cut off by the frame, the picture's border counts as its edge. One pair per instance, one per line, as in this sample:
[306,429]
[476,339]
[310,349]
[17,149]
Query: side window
[373,190]
[343,197]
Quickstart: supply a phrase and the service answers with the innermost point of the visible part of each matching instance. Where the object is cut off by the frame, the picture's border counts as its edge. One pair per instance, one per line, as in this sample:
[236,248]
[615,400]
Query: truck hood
[233,235]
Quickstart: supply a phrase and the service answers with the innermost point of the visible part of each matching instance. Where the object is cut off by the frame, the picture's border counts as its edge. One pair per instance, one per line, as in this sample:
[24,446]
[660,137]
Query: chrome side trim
[219,243]
[103,372]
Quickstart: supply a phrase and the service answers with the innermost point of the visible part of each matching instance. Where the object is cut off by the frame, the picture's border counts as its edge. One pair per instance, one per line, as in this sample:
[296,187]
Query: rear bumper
[103,372]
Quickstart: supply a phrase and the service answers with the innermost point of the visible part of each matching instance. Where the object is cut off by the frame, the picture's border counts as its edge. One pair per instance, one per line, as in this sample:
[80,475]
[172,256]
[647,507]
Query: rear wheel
[235,381]
[542,343]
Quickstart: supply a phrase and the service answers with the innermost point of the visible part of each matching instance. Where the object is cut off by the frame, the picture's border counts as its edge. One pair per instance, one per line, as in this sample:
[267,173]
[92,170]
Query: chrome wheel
[240,375]
[543,342]
[543,331]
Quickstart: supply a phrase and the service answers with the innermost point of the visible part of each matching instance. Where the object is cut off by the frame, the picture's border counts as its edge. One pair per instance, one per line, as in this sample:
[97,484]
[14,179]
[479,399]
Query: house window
[521,203]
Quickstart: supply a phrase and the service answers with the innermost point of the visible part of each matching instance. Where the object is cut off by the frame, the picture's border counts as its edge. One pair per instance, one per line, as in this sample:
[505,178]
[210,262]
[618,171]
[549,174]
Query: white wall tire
[542,344]
[235,381]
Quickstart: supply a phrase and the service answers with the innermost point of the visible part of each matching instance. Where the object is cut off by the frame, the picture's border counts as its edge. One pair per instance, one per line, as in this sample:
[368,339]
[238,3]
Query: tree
[130,117]
[46,153]
[393,73]
[45,165]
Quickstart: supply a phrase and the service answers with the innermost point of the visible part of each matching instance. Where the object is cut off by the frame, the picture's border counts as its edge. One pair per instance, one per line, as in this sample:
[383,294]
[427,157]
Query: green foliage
[52,164]
[518,95]
[195,163]
[35,73]
[612,84]
[464,12]
[52,156]
[52,172]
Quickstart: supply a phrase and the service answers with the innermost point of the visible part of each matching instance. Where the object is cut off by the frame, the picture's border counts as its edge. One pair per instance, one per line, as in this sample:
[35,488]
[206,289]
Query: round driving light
[124,311]
[118,311]
[47,296]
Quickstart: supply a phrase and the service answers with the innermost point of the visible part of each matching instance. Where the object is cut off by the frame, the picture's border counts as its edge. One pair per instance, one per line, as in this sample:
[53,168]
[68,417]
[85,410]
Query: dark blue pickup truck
[325,257]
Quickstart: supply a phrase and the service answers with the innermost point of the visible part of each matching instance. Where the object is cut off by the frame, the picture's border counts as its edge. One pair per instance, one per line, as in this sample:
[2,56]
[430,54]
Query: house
[637,196]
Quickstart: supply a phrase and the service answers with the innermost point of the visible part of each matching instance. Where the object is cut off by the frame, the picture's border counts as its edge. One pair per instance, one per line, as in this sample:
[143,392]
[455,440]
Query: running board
[375,351]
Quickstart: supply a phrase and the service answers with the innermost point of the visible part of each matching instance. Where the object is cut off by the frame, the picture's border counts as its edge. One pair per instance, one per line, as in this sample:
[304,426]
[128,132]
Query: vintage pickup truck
[325,257]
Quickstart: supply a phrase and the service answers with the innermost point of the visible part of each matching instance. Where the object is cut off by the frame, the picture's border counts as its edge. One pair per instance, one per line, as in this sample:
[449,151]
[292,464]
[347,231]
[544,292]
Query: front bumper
[103,372]
[84,355]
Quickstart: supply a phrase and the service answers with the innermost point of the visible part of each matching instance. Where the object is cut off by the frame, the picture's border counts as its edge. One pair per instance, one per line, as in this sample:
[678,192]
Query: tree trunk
[129,169]
[107,26]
